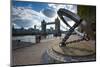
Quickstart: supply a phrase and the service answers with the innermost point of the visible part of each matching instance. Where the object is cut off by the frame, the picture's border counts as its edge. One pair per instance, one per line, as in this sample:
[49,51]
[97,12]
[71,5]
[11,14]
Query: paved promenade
[32,54]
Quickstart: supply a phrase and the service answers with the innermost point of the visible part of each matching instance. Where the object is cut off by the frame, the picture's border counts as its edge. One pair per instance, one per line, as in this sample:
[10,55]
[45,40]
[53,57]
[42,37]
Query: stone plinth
[74,52]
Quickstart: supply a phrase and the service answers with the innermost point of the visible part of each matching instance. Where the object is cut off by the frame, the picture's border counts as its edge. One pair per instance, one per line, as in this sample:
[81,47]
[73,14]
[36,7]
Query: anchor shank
[69,33]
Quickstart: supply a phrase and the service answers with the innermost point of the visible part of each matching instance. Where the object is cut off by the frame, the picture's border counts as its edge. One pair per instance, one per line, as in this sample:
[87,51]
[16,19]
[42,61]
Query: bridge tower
[57,27]
[43,27]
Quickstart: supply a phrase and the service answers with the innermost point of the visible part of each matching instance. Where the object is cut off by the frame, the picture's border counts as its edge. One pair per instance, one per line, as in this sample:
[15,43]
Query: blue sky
[28,14]
[35,5]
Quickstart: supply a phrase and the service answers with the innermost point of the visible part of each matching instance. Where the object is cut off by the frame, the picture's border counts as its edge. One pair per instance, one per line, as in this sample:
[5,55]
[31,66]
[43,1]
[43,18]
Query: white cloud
[27,17]
[49,12]
[56,6]
[72,8]
[15,25]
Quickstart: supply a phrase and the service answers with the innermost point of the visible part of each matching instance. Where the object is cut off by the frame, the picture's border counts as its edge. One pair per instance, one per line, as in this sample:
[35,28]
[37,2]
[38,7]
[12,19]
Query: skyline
[28,14]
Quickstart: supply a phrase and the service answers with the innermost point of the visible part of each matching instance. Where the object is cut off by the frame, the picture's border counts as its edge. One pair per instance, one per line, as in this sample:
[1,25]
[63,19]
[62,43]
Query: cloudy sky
[28,14]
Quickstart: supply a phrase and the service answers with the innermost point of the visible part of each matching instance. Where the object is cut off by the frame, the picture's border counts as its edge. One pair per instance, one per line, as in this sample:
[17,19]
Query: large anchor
[63,12]
[76,50]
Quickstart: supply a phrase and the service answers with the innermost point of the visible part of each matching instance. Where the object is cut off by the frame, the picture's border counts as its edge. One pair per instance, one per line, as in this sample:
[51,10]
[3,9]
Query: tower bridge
[57,31]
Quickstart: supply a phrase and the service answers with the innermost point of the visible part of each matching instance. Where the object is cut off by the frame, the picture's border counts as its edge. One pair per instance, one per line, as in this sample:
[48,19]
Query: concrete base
[83,48]
[76,52]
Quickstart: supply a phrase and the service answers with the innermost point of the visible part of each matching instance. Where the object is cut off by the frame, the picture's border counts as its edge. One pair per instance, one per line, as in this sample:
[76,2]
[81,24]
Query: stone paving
[34,54]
